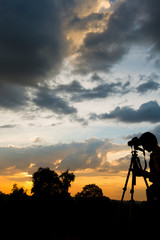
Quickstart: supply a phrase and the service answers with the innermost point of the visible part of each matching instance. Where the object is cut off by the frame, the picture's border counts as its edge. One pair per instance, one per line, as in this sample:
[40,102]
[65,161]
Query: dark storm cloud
[32,43]
[132,23]
[147,112]
[33,46]
[46,98]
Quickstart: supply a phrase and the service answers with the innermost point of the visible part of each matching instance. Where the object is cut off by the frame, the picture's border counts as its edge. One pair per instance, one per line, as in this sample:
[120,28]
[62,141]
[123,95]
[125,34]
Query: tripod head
[136,160]
[134,143]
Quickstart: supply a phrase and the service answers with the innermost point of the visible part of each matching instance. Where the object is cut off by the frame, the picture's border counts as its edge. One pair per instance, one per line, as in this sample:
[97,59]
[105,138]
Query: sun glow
[20,175]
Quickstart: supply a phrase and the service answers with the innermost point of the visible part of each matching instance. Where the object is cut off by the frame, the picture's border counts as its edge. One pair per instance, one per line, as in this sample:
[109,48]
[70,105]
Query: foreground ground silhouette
[51,213]
[75,219]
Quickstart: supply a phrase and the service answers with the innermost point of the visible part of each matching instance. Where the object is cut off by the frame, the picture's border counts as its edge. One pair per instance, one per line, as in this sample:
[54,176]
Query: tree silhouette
[90,191]
[47,183]
[18,193]
[66,178]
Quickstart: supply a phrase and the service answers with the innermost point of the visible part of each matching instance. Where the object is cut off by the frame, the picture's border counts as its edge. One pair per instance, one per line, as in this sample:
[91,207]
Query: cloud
[131,23]
[81,120]
[32,42]
[46,98]
[101,91]
[13,97]
[36,39]
[34,34]
[96,78]
[147,112]
[78,93]
[148,86]
[34,46]
[150,83]
[9,126]
[86,22]
[91,153]
[101,50]
[85,156]
[73,87]
[37,140]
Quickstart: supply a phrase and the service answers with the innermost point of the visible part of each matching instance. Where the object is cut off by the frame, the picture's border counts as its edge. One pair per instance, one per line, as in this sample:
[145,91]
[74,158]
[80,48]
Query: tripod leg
[124,190]
[132,202]
[125,186]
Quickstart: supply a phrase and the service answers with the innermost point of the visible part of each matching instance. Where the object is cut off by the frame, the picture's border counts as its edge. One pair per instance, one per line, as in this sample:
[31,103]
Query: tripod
[134,165]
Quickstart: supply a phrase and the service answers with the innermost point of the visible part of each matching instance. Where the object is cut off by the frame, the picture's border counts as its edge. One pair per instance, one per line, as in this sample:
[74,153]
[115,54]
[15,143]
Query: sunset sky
[78,80]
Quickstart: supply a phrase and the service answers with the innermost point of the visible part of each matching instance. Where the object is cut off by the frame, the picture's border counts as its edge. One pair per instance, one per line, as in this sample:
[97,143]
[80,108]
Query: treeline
[51,213]
[47,185]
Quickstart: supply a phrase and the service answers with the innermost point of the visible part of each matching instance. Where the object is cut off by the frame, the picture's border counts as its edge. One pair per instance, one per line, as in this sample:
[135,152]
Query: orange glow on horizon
[7,185]
[112,186]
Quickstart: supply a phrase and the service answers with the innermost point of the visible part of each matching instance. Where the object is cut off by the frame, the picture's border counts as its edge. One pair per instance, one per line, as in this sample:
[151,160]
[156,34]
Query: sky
[78,80]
